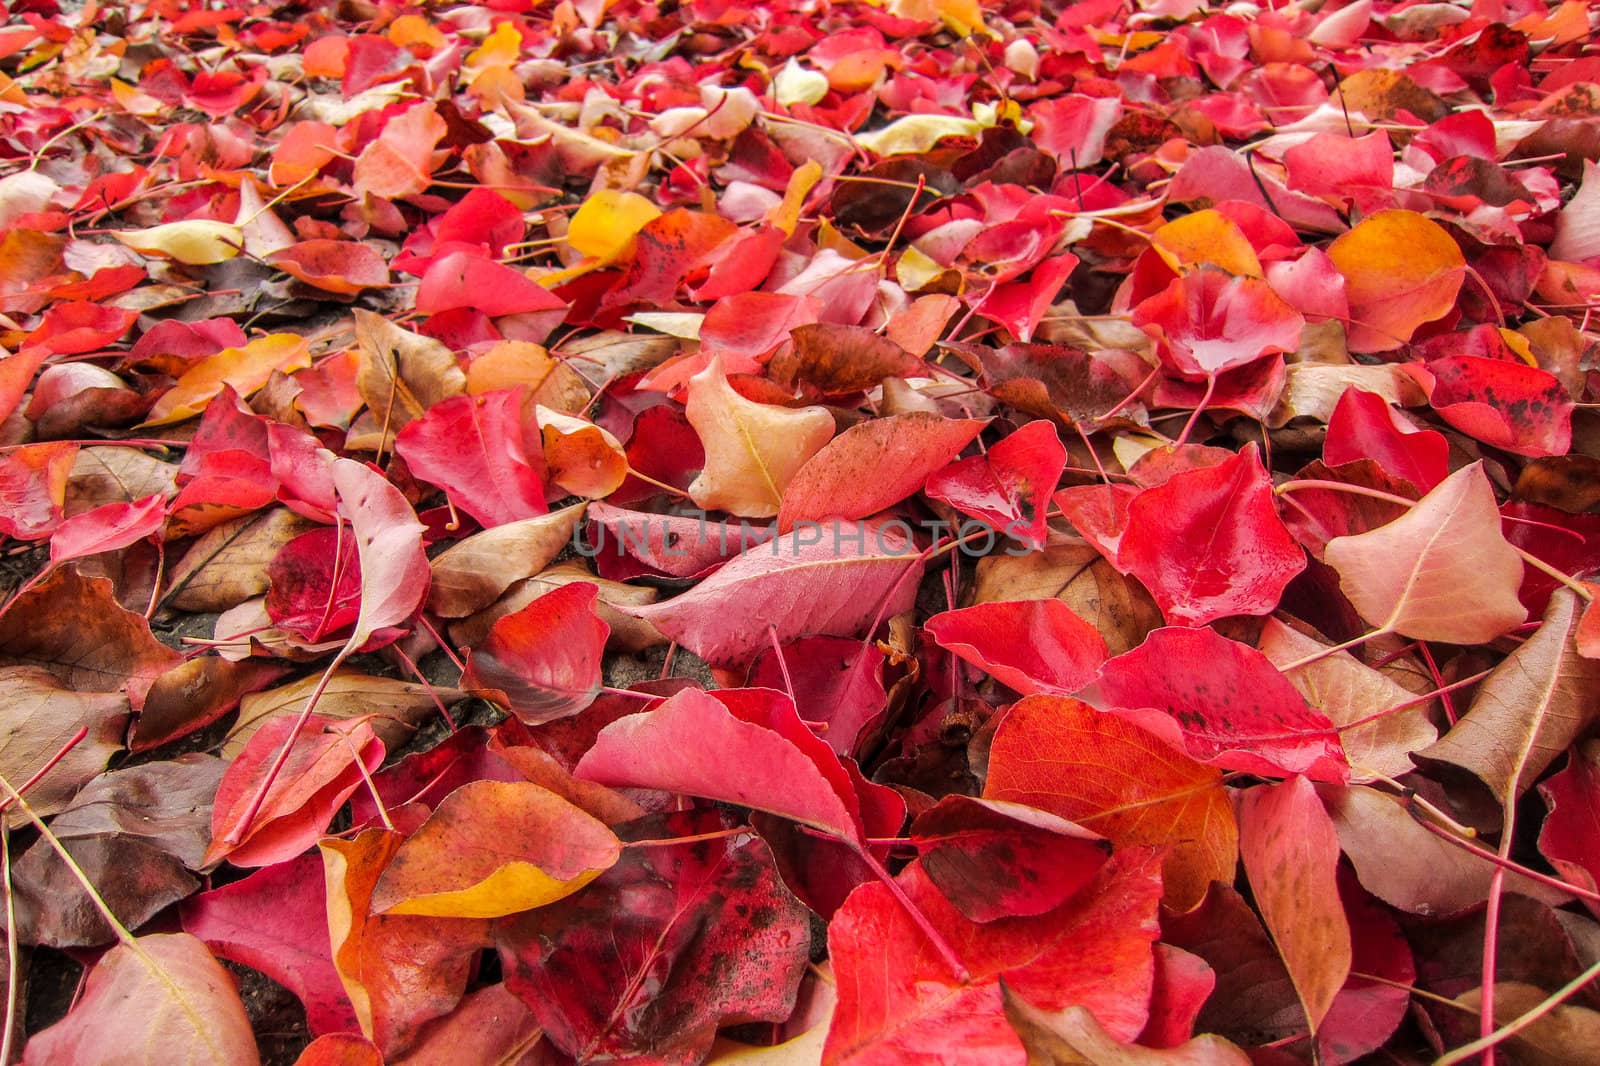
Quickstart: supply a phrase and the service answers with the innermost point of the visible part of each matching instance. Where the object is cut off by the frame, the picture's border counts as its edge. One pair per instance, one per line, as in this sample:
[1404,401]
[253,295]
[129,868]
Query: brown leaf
[227,564]
[1072,1037]
[116,475]
[74,628]
[1566,1035]
[835,360]
[1403,864]
[40,716]
[136,833]
[473,573]
[195,694]
[350,694]
[402,373]
[1531,709]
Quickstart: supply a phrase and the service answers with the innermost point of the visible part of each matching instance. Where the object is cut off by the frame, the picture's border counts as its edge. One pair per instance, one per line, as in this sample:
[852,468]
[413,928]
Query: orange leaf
[1123,781]
[494,848]
[245,369]
[1401,270]
[1291,854]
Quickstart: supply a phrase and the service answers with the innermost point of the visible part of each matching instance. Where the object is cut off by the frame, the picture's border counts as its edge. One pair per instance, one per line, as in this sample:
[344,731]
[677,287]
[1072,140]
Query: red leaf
[1571,835]
[871,466]
[318,776]
[1364,426]
[1503,403]
[898,1001]
[1234,707]
[1206,322]
[1033,646]
[1291,855]
[837,683]
[107,528]
[275,921]
[461,279]
[834,585]
[996,860]
[674,941]
[1009,486]
[752,751]
[544,660]
[33,487]
[475,448]
[394,568]
[1209,543]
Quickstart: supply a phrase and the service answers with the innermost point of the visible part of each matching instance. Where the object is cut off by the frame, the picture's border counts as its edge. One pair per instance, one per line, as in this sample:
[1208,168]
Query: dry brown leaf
[350,694]
[227,564]
[1531,709]
[476,570]
[402,373]
[39,717]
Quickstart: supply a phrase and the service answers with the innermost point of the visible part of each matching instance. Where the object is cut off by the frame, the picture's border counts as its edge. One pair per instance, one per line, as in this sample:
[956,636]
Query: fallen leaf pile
[866,532]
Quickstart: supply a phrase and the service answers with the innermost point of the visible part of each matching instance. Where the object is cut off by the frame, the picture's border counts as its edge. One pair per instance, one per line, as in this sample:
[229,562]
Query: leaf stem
[236,833]
[1508,864]
[50,764]
[121,931]
[1555,574]
[921,920]
[1302,484]
[1318,656]
[11,948]
[1485,1044]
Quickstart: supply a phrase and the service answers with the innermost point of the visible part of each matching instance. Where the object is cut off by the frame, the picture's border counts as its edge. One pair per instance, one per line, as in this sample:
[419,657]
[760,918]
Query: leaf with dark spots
[836,360]
[994,860]
[674,941]
[1506,404]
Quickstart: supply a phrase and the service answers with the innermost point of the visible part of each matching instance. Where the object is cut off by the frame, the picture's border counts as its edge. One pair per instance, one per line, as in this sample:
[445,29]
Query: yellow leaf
[795,84]
[514,887]
[915,134]
[245,369]
[786,215]
[193,242]
[1206,236]
[604,227]
[408,30]
[501,48]
[752,449]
